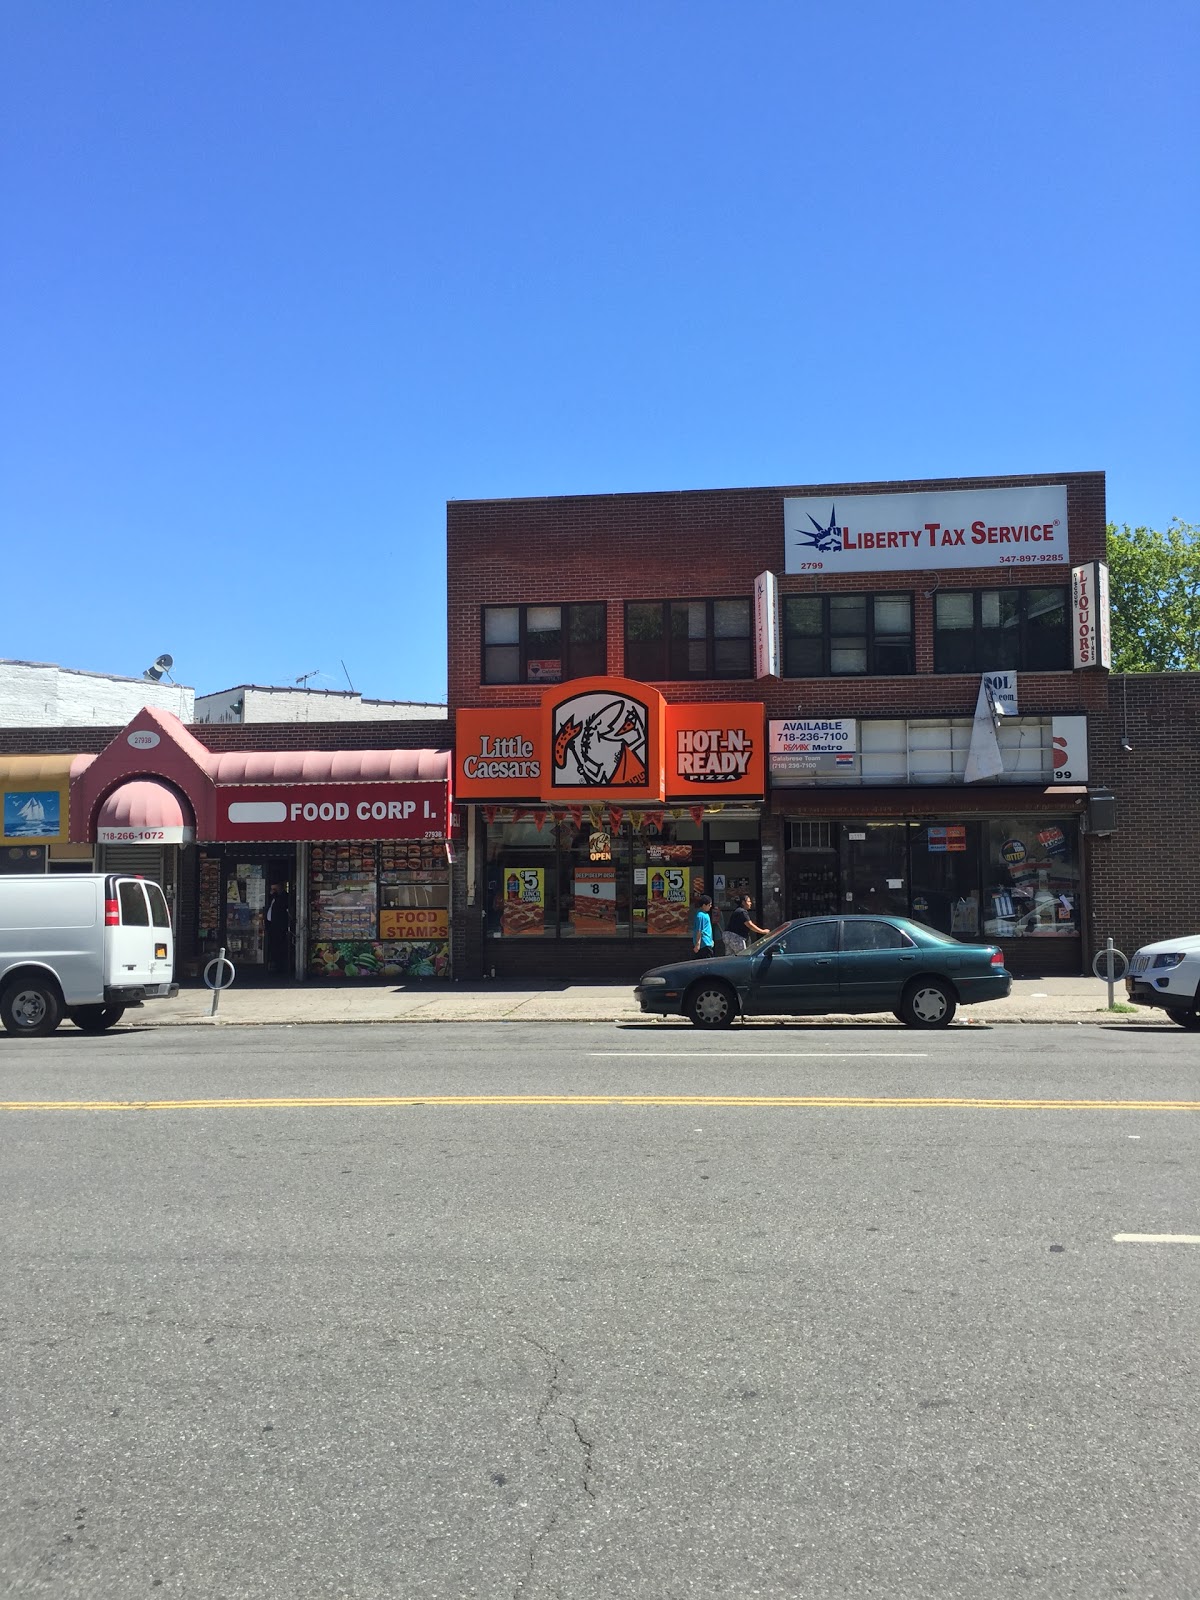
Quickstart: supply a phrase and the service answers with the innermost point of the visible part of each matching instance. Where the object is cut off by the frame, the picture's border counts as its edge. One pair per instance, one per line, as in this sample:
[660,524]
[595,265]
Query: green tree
[1154,589]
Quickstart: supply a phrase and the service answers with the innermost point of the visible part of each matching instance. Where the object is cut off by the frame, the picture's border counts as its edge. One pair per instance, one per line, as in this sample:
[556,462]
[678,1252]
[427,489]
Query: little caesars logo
[503,758]
[713,755]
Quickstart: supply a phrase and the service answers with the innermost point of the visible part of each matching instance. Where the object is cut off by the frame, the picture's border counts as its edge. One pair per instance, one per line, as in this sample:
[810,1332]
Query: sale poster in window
[669,902]
[594,911]
[524,907]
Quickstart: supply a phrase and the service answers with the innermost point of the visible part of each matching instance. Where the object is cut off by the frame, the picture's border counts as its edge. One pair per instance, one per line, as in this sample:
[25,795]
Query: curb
[641,1019]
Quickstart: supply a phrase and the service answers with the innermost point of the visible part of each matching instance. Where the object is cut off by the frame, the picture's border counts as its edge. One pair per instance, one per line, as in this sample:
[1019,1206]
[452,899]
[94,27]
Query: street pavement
[592,1311]
[1063,1000]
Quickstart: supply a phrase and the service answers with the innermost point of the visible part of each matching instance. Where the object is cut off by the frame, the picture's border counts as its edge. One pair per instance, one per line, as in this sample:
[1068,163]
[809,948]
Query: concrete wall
[251,704]
[37,695]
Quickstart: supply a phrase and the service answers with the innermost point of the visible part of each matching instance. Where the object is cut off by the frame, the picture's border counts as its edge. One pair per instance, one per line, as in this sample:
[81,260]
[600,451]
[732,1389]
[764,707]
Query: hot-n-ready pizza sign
[926,532]
[597,738]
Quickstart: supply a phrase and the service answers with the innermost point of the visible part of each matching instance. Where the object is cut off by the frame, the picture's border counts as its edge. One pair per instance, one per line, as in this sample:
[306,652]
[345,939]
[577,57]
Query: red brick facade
[701,544]
[714,542]
[1144,881]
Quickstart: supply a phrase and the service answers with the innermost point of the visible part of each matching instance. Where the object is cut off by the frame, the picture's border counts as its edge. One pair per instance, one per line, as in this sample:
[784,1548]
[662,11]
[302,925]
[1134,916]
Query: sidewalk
[1064,1000]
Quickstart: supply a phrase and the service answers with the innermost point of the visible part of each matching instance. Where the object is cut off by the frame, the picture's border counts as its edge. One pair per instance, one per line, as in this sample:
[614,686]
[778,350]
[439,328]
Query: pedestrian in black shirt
[739,927]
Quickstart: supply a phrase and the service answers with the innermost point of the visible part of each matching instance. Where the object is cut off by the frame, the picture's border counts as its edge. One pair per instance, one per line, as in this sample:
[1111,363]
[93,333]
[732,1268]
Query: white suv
[1167,974]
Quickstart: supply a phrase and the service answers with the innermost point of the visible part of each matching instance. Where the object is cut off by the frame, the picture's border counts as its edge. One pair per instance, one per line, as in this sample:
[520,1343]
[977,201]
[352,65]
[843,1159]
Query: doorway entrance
[944,859]
[875,868]
[256,912]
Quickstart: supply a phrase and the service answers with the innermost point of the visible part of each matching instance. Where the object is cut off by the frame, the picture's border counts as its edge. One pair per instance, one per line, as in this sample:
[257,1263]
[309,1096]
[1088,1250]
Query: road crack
[550,1412]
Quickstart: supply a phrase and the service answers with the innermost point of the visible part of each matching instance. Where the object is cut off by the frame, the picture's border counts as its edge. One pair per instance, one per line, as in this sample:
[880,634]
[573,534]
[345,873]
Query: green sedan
[841,964]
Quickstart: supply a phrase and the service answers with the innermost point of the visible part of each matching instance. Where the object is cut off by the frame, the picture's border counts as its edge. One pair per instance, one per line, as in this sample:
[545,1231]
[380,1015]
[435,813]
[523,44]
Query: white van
[83,946]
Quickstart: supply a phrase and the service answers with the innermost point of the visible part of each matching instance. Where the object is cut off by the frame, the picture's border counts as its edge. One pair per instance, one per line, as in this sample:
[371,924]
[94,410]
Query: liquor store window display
[378,911]
[1032,887]
[1001,878]
[614,879]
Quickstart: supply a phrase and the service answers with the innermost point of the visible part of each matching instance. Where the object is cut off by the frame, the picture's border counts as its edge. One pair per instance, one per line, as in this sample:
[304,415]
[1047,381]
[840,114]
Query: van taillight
[112,914]
[997,958]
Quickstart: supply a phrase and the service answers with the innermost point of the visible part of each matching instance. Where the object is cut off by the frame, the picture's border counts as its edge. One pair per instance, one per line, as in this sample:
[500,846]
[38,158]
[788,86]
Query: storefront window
[1031,878]
[589,880]
[668,880]
[379,911]
[593,882]
[945,876]
[998,878]
[23,858]
[522,880]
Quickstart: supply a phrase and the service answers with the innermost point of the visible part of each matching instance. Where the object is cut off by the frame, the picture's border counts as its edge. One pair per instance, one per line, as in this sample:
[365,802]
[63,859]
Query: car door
[877,960]
[798,973]
[131,940]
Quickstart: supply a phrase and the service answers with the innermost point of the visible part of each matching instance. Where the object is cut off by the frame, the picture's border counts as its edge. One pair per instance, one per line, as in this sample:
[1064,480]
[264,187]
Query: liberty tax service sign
[930,532]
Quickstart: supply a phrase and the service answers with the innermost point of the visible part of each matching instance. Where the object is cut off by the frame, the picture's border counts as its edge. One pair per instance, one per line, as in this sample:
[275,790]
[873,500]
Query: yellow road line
[750,1102]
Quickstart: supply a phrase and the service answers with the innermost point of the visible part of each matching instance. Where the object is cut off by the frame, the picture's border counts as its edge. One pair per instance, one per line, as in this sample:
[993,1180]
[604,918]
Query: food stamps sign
[926,532]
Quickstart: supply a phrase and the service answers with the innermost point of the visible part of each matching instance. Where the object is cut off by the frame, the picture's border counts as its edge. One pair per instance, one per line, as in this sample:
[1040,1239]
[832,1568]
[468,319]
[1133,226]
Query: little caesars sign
[926,532]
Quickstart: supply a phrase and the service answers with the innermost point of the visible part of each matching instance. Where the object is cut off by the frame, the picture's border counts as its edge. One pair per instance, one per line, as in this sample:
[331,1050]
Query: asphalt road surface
[600,1311]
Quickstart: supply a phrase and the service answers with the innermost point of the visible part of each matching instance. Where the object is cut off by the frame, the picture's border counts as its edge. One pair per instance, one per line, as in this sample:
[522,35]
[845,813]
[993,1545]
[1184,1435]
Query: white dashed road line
[783,1055]
[1156,1238]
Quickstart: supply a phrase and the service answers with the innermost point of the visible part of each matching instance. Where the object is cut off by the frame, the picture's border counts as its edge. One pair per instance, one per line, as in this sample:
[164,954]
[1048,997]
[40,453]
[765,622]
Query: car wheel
[96,1019]
[711,1005]
[30,1007]
[1189,1018]
[928,1003]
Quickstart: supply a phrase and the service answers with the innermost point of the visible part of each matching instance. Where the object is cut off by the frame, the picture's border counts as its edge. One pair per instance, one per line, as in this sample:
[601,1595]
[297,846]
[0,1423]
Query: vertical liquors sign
[1091,641]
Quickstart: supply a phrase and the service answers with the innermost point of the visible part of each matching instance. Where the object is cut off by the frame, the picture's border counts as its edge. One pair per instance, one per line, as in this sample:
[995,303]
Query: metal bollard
[219,961]
[1107,959]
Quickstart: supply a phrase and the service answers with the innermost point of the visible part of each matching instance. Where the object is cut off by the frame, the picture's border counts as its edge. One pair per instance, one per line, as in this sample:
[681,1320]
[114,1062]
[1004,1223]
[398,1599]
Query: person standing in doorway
[702,928]
[278,922]
[739,927]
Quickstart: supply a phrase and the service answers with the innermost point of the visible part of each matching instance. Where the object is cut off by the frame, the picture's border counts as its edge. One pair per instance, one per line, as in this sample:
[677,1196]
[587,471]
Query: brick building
[865,613]
[654,695]
[1144,879]
[308,850]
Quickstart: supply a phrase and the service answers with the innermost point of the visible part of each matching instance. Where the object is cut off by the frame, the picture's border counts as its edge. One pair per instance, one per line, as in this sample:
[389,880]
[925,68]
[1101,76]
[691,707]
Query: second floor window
[666,640]
[844,635]
[544,644]
[992,630]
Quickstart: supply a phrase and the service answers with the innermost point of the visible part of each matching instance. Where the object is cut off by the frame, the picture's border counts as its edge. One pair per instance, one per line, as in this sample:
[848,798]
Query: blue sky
[278,280]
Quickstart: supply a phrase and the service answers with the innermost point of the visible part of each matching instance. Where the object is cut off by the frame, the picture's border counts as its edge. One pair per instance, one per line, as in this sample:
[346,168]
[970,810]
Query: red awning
[144,812]
[330,766]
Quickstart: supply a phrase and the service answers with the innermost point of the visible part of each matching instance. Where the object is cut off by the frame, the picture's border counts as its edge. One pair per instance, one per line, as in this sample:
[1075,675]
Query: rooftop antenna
[353,690]
[302,680]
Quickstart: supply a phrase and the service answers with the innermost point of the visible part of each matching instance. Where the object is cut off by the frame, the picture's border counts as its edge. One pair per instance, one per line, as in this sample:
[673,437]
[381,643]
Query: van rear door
[141,951]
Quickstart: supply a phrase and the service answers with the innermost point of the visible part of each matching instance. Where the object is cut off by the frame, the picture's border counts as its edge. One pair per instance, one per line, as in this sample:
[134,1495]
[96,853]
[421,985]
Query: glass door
[732,877]
[875,868]
[945,876]
[245,912]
